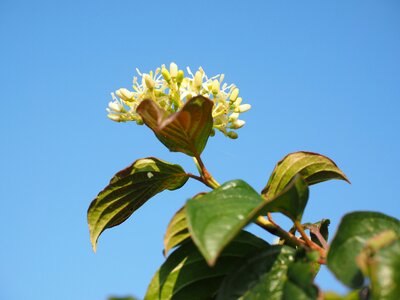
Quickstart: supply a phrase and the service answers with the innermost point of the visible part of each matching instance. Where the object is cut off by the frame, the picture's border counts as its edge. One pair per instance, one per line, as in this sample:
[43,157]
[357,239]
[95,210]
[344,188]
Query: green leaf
[177,231]
[128,190]
[351,237]
[219,216]
[353,295]
[270,274]
[291,201]
[185,274]
[299,284]
[185,131]
[380,261]
[313,167]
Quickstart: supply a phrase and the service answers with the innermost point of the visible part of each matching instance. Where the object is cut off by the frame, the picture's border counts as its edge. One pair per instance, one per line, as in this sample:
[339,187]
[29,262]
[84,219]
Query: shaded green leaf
[354,295]
[185,131]
[299,284]
[177,231]
[380,261]
[128,190]
[273,274]
[351,237]
[313,167]
[219,216]
[186,275]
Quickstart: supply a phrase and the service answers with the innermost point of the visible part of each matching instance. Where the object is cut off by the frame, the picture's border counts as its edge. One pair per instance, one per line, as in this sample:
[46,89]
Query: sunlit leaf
[291,201]
[185,131]
[177,231]
[220,215]
[128,190]
[313,167]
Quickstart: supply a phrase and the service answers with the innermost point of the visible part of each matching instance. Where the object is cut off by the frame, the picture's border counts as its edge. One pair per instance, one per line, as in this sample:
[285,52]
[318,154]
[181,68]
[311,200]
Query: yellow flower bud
[114,117]
[165,74]
[149,82]
[198,79]
[233,117]
[234,94]
[125,94]
[238,101]
[180,76]
[242,108]
[173,69]
[215,87]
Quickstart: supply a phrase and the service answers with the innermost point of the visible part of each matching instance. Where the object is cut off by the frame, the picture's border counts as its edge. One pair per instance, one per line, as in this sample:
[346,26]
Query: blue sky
[321,76]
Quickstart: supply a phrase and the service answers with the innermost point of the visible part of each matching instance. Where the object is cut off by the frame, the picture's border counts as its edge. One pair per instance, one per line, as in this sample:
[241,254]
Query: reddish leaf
[185,131]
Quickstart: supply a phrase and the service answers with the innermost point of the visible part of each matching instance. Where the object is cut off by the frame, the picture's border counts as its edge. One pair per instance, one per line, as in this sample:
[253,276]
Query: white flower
[171,89]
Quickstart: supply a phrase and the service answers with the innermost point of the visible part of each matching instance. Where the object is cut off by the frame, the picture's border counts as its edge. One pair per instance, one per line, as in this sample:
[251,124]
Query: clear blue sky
[322,76]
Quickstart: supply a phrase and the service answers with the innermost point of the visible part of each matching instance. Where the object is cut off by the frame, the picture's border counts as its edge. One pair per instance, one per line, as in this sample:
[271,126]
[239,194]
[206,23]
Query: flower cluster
[171,89]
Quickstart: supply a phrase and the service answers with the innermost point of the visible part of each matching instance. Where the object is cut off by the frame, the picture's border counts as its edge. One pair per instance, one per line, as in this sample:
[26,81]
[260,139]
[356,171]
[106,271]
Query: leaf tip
[211,261]
[93,241]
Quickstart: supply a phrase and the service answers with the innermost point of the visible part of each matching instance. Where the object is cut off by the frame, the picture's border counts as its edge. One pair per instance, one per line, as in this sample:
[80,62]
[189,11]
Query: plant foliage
[209,254]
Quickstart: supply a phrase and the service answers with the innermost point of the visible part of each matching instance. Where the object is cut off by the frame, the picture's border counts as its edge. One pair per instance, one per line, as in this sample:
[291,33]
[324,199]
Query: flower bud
[234,94]
[242,108]
[149,82]
[165,74]
[212,133]
[180,76]
[238,101]
[125,94]
[238,124]
[115,106]
[198,79]
[114,117]
[233,135]
[233,117]
[215,87]
[173,69]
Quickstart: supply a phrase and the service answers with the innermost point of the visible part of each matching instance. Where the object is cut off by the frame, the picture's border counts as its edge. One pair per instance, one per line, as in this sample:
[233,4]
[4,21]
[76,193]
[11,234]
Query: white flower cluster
[170,89]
